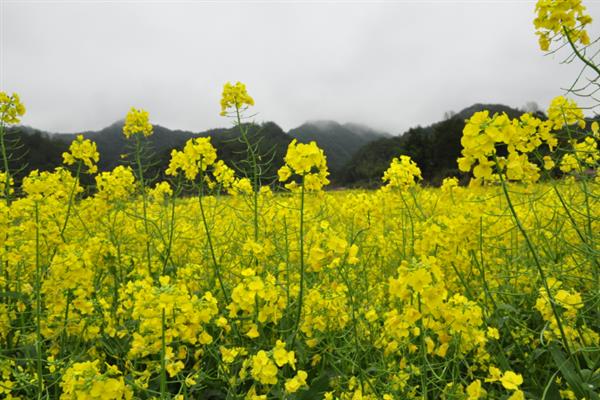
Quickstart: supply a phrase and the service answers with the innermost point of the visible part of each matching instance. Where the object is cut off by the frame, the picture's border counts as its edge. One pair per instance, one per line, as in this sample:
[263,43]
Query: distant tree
[449,114]
[434,148]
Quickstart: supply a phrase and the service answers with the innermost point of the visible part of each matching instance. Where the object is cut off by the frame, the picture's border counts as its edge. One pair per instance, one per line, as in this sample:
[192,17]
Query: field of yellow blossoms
[242,290]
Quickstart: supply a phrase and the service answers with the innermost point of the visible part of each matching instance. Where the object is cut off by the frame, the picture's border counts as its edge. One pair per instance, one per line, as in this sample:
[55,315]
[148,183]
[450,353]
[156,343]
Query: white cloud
[391,65]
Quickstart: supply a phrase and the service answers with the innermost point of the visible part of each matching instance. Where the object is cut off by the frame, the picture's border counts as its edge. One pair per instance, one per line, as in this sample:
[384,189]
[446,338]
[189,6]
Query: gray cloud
[80,65]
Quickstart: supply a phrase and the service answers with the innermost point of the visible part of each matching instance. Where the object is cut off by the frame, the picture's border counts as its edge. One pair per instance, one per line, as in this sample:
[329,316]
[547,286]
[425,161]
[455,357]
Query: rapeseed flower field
[241,289]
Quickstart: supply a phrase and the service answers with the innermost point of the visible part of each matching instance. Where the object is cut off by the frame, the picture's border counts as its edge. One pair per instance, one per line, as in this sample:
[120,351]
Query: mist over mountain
[339,142]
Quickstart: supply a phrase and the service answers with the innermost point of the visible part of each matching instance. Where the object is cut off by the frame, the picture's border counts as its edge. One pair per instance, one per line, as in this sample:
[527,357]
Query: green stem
[163,355]
[424,367]
[64,336]
[255,174]
[216,266]
[7,200]
[412,224]
[38,303]
[578,53]
[301,234]
[138,160]
[171,229]
[5,162]
[535,258]
[70,204]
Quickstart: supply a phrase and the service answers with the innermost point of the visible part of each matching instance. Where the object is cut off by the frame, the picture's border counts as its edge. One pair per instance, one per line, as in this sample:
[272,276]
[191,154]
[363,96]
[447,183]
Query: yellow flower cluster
[483,134]
[403,173]
[116,184]
[509,380]
[448,184]
[446,317]
[409,300]
[197,155]
[585,154]
[116,296]
[325,311]
[297,382]
[257,297]
[328,250]
[570,303]
[11,108]
[58,184]
[7,384]
[264,369]
[161,191]
[563,111]
[225,179]
[559,18]
[235,96]
[307,161]
[3,189]
[86,381]
[70,280]
[83,150]
[186,316]
[137,121]
[282,356]
[475,391]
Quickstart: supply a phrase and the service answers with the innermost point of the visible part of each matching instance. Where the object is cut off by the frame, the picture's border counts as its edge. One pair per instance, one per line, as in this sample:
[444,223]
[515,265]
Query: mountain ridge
[357,155]
[339,141]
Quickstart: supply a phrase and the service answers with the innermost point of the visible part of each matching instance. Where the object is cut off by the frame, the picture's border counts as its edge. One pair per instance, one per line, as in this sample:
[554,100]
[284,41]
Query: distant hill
[434,148]
[42,150]
[357,155]
[339,142]
[112,144]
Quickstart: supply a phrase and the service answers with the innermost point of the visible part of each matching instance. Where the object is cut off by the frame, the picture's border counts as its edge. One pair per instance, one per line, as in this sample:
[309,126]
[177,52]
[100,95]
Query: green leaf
[581,388]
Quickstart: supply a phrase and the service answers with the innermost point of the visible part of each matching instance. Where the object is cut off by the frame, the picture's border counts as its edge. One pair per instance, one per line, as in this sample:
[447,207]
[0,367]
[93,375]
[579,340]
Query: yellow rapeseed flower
[306,161]
[137,121]
[558,18]
[11,108]
[511,380]
[235,96]
[264,369]
[83,150]
[475,391]
[402,173]
[297,382]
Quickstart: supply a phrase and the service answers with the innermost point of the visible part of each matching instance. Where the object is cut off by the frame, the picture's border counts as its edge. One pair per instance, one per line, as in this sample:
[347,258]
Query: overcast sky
[80,65]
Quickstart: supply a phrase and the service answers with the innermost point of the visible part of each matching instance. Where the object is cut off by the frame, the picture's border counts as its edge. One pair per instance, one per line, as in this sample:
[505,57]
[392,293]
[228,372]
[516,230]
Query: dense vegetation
[485,291]
[356,155]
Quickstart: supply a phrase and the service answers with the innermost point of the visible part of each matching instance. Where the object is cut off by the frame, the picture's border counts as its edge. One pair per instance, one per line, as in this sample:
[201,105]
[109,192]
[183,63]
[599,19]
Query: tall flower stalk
[193,162]
[305,170]
[137,124]
[82,153]
[11,111]
[235,101]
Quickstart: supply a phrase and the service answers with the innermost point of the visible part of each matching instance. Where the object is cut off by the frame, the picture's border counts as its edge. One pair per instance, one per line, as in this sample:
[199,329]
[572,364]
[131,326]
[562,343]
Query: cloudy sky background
[80,65]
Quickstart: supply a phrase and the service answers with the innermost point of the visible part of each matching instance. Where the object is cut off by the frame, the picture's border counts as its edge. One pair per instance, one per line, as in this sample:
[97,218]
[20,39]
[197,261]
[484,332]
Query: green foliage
[434,148]
[357,155]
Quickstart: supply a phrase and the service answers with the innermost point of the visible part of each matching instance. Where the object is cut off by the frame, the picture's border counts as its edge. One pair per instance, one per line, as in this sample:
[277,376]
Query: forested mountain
[434,148]
[34,149]
[356,155]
